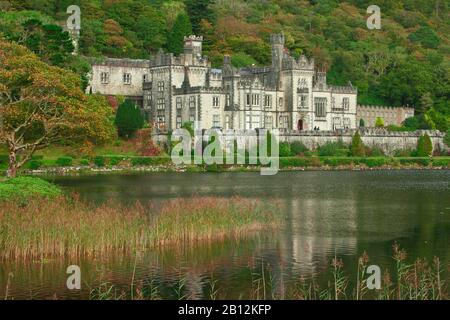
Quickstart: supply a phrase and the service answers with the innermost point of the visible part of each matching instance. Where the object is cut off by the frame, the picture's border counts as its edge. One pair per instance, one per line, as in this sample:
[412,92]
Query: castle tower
[193,45]
[277,42]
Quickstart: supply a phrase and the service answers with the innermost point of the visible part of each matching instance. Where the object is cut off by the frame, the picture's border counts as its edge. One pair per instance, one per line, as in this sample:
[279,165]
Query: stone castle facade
[290,94]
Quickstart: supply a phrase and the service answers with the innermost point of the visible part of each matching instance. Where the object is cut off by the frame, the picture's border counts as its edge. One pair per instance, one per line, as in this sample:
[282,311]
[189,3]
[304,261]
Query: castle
[290,94]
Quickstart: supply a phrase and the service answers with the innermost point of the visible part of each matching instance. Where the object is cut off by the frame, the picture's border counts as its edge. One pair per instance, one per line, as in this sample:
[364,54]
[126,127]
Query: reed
[415,281]
[69,227]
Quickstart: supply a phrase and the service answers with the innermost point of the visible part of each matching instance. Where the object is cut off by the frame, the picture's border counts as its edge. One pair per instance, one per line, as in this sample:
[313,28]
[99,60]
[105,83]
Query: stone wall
[387,141]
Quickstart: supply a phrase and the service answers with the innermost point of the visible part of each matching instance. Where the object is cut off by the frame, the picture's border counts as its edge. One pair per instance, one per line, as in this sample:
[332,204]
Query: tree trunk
[12,168]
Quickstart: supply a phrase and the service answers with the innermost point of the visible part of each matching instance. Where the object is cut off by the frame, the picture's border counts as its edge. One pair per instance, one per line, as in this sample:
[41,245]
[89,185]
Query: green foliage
[64,161]
[333,149]
[379,123]
[424,146]
[426,37]
[23,188]
[284,149]
[99,161]
[405,61]
[129,119]
[298,148]
[35,164]
[181,28]
[241,59]
[147,161]
[357,148]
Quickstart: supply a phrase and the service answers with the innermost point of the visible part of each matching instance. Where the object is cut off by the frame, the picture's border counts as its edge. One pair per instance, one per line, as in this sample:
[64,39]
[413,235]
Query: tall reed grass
[420,280]
[70,227]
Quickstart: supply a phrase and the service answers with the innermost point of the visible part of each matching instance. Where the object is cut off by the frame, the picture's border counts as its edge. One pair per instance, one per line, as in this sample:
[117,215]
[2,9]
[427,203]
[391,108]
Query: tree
[362,124]
[181,28]
[129,119]
[199,10]
[379,123]
[357,148]
[426,37]
[42,105]
[424,146]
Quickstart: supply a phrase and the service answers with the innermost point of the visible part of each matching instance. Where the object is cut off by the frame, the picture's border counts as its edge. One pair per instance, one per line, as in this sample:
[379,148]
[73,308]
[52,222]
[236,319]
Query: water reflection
[326,214]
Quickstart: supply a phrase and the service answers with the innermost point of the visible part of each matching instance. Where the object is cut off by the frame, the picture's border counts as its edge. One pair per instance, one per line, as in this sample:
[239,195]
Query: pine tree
[181,28]
[129,119]
[199,10]
[424,146]
[357,148]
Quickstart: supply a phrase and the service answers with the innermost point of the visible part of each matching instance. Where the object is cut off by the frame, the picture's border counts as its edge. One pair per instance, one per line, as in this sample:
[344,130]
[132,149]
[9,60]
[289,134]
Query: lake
[326,214]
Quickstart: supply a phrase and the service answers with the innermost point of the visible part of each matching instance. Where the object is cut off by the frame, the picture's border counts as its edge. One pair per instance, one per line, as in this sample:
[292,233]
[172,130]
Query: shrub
[424,146]
[99,161]
[420,161]
[285,149]
[334,162]
[374,162]
[147,161]
[379,123]
[357,148]
[298,148]
[64,161]
[441,162]
[23,188]
[35,164]
[403,153]
[293,162]
[129,119]
[84,162]
[333,149]
[374,152]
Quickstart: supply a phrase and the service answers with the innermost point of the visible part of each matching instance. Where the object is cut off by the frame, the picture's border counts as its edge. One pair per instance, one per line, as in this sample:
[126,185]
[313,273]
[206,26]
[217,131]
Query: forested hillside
[407,62]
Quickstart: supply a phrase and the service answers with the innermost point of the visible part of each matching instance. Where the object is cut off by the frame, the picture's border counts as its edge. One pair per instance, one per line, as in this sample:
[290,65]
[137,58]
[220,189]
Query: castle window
[303,101]
[178,122]
[192,102]
[227,122]
[346,103]
[161,121]
[247,100]
[145,78]
[280,102]
[104,77]
[216,121]
[255,99]
[302,83]
[161,104]
[320,107]
[284,121]
[268,101]
[179,103]
[347,123]
[268,122]
[161,86]
[336,123]
[216,101]
[228,100]
[192,117]
[127,78]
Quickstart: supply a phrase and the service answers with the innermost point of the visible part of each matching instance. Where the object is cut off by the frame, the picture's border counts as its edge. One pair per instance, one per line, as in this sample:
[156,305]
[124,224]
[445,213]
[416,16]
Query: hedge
[64,161]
